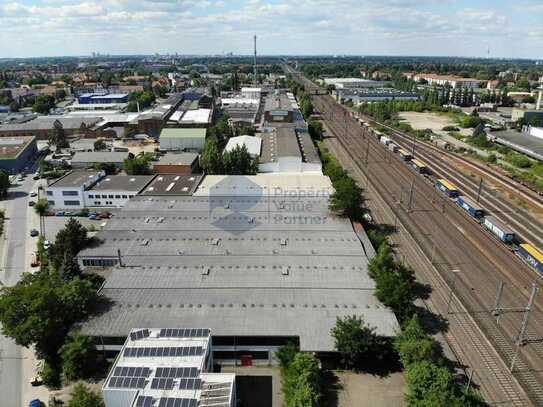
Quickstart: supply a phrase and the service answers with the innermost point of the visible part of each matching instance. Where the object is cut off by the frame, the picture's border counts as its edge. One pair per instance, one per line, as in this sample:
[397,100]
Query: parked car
[35,403]
[93,216]
[68,213]
[60,213]
[33,194]
[104,215]
[35,261]
[34,233]
[31,203]
[36,177]
[36,381]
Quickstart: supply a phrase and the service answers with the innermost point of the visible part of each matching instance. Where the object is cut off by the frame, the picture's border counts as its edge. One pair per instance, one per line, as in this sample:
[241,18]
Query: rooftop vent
[285,270]
[215,241]
[205,271]
[144,242]
[284,242]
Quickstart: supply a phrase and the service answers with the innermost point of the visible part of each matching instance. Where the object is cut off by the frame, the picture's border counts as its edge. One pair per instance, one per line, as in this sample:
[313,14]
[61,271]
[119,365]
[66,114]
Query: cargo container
[470,206]
[405,155]
[393,147]
[385,140]
[532,256]
[419,166]
[500,229]
[446,187]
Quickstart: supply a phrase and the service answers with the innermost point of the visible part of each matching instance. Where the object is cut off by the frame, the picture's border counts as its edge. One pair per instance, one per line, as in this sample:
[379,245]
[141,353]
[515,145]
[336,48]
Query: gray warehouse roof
[172,184]
[46,123]
[77,179]
[287,142]
[90,157]
[243,266]
[134,183]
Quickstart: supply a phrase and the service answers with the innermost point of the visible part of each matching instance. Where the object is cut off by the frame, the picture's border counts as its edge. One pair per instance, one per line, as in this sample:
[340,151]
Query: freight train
[532,256]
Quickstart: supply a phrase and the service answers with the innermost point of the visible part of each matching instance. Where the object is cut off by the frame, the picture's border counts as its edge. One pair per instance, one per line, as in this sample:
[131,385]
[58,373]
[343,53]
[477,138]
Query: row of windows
[96,196]
[70,193]
[72,203]
[99,262]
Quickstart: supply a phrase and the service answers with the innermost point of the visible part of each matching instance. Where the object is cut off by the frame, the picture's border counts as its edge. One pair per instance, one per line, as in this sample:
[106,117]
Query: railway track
[457,241]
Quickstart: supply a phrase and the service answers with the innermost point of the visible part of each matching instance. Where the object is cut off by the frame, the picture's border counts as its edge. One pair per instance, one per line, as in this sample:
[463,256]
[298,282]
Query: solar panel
[144,401]
[163,332]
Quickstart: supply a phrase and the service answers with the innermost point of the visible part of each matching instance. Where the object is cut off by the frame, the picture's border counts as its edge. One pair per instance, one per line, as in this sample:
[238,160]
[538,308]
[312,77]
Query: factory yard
[432,121]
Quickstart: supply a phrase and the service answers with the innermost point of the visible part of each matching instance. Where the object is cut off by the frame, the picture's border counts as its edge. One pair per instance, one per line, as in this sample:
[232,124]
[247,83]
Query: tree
[355,341]
[301,382]
[43,104]
[286,353]
[100,145]
[82,396]
[315,129]
[57,137]
[414,345]
[41,207]
[238,161]
[347,198]
[40,309]
[78,355]
[429,385]
[4,183]
[137,166]
[212,160]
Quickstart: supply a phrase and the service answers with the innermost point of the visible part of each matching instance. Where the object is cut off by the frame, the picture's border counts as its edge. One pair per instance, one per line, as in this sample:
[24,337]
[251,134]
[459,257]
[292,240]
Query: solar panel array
[127,382]
[162,383]
[177,372]
[177,402]
[184,332]
[144,401]
[163,352]
[190,384]
[132,371]
[142,333]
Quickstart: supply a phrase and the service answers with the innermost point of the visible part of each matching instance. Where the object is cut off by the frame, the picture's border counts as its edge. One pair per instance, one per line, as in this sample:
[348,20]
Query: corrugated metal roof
[182,133]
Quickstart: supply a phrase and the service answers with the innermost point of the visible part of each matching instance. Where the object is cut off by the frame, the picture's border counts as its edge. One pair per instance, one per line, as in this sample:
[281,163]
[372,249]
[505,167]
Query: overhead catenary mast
[255,71]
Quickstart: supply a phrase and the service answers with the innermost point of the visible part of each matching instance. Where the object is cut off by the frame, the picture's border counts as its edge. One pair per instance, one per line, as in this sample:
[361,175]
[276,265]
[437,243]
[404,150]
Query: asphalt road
[14,260]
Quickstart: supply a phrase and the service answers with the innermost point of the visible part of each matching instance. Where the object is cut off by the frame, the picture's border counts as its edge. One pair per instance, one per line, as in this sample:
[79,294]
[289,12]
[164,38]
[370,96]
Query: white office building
[68,192]
[160,367]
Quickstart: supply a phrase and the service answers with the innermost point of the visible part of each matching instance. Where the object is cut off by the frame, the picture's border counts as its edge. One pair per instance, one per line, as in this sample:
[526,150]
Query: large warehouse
[257,270]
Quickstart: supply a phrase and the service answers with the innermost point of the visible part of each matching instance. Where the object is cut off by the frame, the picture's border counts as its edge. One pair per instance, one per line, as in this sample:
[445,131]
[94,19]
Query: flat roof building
[358,96]
[185,139]
[113,191]
[172,185]
[85,159]
[15,152]
[252,143]
[344,83]
[184,163]
[41,127]
[68,192]
[259,270]
[167,367]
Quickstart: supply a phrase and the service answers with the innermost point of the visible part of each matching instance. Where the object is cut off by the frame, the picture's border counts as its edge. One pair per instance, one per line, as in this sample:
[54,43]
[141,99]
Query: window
[97,203]
[125,196]
[99,262]
[117,196]
[51,203]
[49,193]
[91,196]
[72,203]
[70,193]
[110,196]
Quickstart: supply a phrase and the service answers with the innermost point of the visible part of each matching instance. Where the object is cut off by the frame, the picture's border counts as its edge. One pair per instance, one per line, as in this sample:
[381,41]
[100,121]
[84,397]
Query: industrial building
[258,270]
[182,139]
[352,83]
[113,191]
[358,96]
[41,127]
[278,108]
[442,80]
[86,159]
[168,367]
[251,143]
[102,98]
[172,185]
[177,163]
[68,192]
[15,152]
[284,149]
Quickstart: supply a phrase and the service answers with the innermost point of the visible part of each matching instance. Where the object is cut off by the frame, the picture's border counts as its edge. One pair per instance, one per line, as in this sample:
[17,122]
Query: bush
[79,356]
[82,396]
[518,160]
[285,354]
[450,128]
[301,382]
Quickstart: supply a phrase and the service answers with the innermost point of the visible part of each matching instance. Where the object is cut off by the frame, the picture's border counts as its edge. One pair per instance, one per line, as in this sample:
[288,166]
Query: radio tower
[255,71]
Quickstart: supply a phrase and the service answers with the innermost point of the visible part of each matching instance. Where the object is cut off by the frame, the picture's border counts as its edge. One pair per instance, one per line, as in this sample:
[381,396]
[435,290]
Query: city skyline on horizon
[311,27]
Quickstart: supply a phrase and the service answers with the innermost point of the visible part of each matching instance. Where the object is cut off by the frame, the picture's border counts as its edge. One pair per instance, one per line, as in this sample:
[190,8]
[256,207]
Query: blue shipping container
[445,186]
[499,229]
[530,255]
[470,206]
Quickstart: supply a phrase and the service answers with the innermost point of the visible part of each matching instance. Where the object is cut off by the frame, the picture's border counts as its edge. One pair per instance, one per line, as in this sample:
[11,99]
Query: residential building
[113,191]
[165,367]
[182,139]
[177,163]
[15,152]
[442,80]
[68,192]
[252,143]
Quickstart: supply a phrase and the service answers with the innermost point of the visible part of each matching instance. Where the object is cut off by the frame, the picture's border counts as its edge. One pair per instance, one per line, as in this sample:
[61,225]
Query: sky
[512,28]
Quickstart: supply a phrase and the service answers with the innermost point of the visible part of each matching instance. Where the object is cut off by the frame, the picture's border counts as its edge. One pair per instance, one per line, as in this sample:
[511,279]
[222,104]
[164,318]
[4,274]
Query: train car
[405,155]
[385,140]
[393,147]
[419,166]
[499,229]
[470,206]
[446,187]
[532,256]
